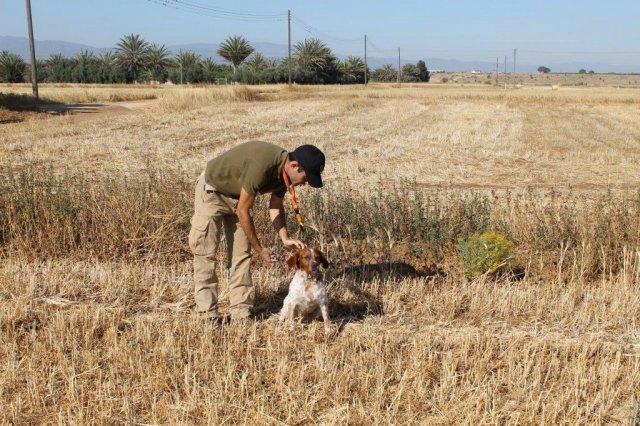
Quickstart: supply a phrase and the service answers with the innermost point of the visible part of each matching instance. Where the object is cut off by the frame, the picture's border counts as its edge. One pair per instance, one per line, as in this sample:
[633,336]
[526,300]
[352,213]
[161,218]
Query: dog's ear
[292,262]
[323,260]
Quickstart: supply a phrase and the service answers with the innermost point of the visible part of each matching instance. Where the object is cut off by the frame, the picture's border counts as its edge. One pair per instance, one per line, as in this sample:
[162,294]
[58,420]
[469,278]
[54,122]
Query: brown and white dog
[307,298]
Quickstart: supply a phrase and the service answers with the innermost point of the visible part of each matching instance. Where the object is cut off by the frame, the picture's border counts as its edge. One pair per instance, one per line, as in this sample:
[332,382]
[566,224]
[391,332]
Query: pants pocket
[230,202]
[198,236]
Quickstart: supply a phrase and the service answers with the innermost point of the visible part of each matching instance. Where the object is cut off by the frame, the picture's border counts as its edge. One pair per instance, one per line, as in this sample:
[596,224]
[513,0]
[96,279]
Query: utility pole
[497,70]
[514,63]
[289,61]
[505,71]
[365,59]
[398,67]
[34,70]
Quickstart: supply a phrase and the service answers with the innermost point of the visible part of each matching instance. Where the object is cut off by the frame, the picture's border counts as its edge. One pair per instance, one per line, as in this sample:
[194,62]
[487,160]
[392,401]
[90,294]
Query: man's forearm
[246,222]
[279,222]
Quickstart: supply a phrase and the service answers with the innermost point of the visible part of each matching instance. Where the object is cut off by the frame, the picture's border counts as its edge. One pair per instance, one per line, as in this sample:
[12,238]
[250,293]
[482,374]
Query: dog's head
[308,260]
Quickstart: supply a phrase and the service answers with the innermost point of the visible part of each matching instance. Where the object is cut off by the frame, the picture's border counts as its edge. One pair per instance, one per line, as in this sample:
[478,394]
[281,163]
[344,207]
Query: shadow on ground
[354,278]
[65,109]
[16,107]
[383,270]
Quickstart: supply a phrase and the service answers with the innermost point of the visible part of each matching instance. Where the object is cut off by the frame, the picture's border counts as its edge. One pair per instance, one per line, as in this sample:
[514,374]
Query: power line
[314,31]
[452,50]
[550,52]
[376,48]
[584,52]
[202,10]
[230,12]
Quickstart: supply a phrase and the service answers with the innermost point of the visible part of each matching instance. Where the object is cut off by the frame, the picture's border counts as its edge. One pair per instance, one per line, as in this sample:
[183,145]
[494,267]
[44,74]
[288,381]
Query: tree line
[547,70]
[135,60]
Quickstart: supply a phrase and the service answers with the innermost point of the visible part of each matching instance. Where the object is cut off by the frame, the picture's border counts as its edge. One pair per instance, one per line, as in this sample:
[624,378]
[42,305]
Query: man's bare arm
[243,211]
[279,221]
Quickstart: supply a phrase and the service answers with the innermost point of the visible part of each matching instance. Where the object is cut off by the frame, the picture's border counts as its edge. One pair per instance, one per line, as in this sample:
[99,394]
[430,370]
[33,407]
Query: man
[224,196]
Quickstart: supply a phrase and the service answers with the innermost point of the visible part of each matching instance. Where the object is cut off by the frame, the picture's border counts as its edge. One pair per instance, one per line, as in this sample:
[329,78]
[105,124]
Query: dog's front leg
[284,312]
[292,319]
[324,309]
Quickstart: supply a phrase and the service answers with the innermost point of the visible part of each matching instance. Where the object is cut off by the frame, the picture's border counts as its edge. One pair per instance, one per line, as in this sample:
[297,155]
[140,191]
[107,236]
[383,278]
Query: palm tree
[256,62]
[42,67]
[59,68]
[82,70]
[186,61]
[56,59]
[385,73]
[352,69]
[106,58]
[208,69]
[313,55]
[108,72]
[132,53]
[12,67]
[159,58]
[235,49]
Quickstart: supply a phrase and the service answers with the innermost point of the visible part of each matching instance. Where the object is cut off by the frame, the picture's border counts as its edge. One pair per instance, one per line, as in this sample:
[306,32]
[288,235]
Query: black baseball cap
[312,161]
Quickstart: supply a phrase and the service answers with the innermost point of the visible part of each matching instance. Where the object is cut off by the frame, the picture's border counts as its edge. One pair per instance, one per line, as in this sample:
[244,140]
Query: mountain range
[46,48]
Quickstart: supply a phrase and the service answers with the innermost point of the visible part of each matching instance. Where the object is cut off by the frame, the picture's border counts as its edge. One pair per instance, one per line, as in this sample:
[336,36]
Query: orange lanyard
[294,200]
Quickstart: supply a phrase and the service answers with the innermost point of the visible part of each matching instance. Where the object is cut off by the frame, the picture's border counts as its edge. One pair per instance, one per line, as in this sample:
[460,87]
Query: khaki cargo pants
[214,213]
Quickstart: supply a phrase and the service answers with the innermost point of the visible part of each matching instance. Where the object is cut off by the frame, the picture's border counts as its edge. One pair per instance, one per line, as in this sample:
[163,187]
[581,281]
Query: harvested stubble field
[95,288]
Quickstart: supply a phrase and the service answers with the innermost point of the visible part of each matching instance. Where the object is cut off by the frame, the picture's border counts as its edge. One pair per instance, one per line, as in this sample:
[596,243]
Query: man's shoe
[221,320]
[246,318]
[208,315]
[244,321]
[214,318]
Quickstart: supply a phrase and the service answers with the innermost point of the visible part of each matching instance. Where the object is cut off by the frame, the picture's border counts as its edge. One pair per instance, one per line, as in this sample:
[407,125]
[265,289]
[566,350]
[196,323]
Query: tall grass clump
[179,99]
[72,214]
[76,215]
[79,93]
[583,237]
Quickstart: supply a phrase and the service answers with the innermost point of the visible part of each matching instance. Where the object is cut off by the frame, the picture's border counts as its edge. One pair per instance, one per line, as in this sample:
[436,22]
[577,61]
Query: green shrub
[484,253]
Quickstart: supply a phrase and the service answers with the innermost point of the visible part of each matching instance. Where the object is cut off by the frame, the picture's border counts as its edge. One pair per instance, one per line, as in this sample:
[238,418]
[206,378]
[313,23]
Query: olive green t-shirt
[255,166]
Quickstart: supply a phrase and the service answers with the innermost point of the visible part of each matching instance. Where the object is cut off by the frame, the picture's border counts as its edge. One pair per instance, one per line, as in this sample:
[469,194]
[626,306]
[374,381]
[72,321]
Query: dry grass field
[96,321]
[539,79]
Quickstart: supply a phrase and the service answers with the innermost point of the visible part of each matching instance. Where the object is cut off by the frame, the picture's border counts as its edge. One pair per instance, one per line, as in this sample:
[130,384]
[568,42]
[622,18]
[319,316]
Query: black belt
[212,190]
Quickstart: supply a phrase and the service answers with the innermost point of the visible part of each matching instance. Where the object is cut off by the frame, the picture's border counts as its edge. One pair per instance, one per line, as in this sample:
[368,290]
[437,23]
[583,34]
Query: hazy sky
[543,31]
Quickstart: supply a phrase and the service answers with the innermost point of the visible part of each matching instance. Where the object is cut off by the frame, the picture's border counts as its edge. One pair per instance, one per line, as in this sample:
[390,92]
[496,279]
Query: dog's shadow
[352,278]
[268,304]
[383,270]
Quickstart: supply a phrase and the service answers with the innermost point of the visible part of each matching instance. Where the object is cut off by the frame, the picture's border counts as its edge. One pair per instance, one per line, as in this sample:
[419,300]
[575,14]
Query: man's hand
[267,256]
[292,243]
